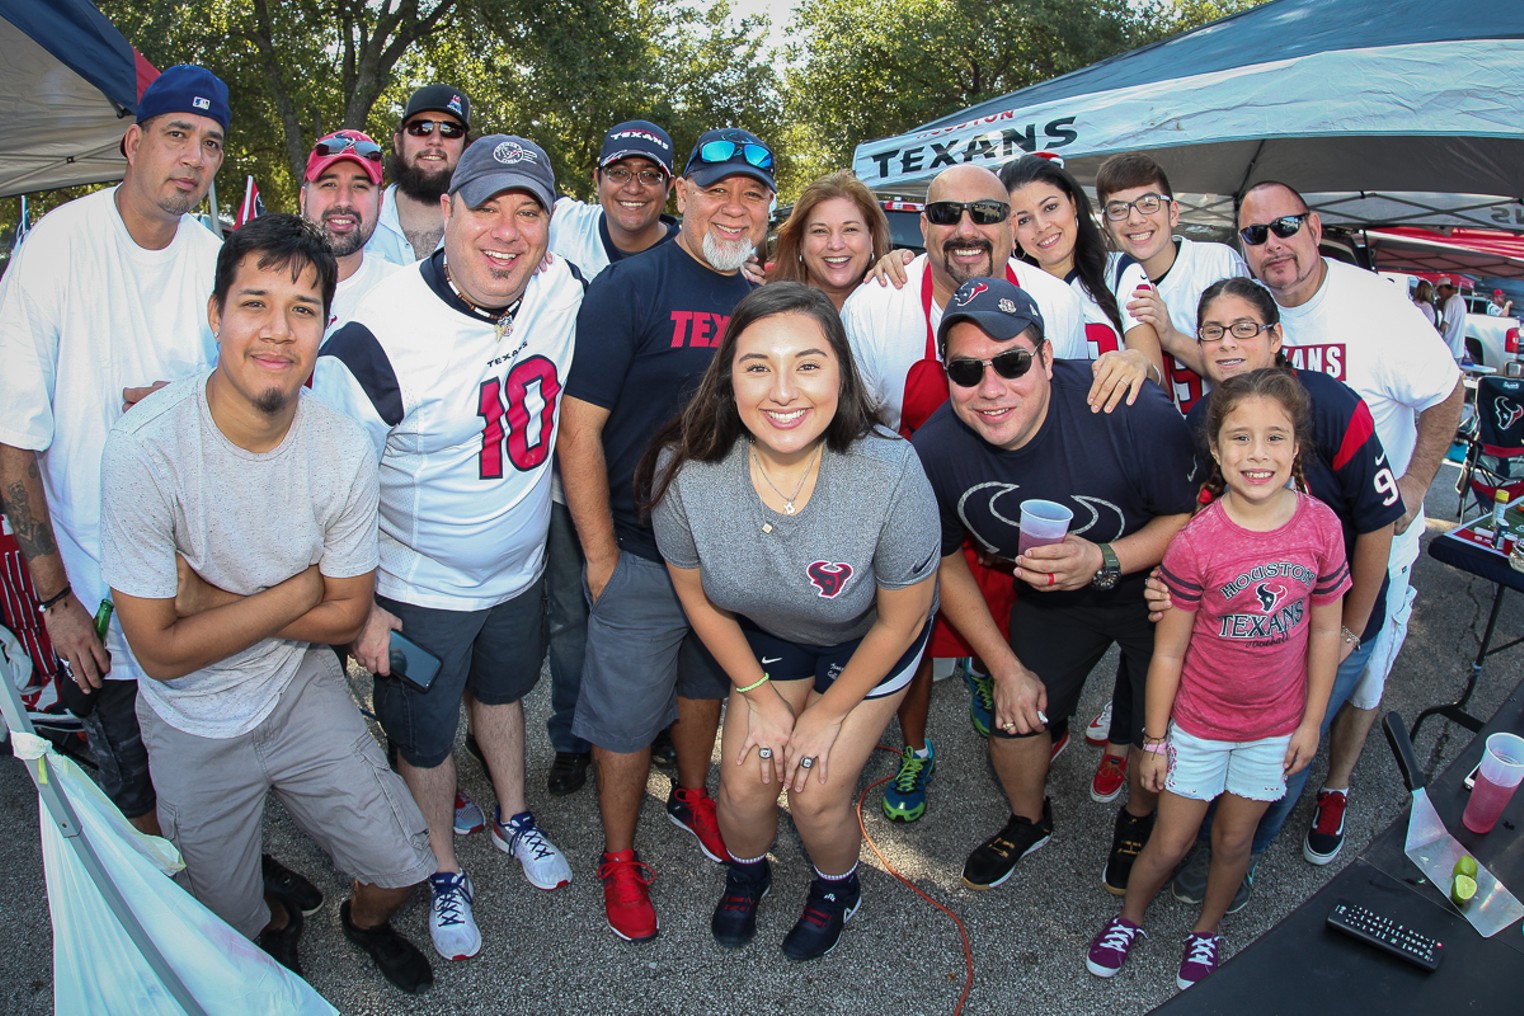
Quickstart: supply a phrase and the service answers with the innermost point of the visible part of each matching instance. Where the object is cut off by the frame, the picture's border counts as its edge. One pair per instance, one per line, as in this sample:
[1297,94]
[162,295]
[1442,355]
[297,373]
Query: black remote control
[1384,933]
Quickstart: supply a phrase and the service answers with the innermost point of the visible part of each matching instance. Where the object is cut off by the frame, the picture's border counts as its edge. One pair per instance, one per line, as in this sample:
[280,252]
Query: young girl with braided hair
[1243,661]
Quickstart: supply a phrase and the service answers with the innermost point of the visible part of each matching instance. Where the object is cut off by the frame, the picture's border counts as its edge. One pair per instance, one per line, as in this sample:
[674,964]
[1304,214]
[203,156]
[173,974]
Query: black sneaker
[399,960]
[568,772]
[735,918]
[994,860]
[1126,844]
[281,944]
[288,885]
[663,751]
[830,905]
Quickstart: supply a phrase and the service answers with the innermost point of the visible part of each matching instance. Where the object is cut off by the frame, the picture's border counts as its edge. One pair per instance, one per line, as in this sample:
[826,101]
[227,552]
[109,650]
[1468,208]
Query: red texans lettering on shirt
[697,329]
[1325,359]
[830,577]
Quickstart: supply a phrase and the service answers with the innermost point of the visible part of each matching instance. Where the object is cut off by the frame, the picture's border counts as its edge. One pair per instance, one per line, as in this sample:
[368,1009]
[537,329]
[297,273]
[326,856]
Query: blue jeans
[1274,819]
[567,611]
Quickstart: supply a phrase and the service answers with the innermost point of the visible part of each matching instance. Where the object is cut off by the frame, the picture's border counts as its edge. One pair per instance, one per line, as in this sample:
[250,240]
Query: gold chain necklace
[788,499]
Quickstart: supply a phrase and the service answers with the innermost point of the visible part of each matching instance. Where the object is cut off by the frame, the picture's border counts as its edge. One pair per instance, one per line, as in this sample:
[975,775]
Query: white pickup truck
[1490,341]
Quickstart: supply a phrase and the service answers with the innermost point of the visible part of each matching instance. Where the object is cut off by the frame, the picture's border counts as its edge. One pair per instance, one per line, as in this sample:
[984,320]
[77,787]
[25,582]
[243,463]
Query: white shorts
[1394,630]
[1202,769]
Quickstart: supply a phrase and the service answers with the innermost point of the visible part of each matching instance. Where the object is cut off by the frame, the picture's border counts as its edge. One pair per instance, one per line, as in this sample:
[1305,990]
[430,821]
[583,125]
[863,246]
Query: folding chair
[1495,451]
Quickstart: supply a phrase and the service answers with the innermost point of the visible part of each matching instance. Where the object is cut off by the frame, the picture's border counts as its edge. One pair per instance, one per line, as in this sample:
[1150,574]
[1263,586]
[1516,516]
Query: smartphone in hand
[412,663]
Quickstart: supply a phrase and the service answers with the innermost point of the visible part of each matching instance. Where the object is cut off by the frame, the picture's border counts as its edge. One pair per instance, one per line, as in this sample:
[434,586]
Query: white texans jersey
[1101,335]
[579,233]
[1197,266]
[463,418]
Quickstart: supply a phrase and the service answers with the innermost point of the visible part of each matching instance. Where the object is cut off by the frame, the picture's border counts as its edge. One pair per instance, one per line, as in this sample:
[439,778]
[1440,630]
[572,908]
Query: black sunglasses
[1011,364]
[1285,227]
[423,128]
[338,146]
[984,213]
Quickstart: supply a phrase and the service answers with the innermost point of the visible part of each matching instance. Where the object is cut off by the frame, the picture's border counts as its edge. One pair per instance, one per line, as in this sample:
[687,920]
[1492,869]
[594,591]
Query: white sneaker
[1100,728]
[544,865]
[451,925]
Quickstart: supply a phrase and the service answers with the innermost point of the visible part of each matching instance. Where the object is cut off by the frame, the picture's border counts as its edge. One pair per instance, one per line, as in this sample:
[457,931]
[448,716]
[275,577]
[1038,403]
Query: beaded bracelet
[1349,637]
[755,684]
[1155,749]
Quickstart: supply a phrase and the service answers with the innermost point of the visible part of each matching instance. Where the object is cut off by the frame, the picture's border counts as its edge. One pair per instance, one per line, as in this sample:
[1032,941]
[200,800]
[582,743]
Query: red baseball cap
[1497,292]
[345,144]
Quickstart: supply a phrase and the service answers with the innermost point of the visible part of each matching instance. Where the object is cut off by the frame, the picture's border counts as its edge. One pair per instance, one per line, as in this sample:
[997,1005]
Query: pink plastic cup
[1500,775]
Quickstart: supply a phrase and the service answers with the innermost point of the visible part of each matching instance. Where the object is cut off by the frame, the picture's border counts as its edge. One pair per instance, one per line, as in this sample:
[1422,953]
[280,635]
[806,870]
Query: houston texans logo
[830,577]
[1269,596]
[965,294]
[1508,412]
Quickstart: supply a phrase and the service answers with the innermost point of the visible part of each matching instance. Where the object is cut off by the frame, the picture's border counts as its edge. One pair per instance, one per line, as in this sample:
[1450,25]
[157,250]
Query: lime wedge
[1465,866]
[1463,890]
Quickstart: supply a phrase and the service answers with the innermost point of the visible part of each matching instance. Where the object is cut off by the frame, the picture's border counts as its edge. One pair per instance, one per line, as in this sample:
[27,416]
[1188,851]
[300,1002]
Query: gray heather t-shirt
[171,482]
[871,523]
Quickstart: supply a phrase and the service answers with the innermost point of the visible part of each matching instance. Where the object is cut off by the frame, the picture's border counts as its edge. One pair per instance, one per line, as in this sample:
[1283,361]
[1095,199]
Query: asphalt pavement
[551,952]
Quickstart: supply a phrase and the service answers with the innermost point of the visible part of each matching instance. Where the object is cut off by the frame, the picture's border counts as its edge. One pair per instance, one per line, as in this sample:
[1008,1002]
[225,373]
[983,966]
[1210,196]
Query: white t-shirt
[463,423]
[887,328]
[349,292]
[389,242]
[1360,329]
[86,312]
[579,233]
[1454,311]
[1197,266]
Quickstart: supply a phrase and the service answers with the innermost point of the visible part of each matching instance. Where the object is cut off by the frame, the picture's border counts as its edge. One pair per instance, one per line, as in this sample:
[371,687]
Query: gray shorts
[497,653]
[641,655]
[315,751]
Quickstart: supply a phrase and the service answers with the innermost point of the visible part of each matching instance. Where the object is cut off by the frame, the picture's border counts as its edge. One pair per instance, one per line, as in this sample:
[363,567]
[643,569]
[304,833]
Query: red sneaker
[1110,778]
[626,898]
[694,811]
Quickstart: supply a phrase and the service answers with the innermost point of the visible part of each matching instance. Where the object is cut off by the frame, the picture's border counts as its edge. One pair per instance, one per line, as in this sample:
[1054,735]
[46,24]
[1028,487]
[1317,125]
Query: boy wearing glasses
[1018,425]
[341,195]
[1141,214]
[428,143]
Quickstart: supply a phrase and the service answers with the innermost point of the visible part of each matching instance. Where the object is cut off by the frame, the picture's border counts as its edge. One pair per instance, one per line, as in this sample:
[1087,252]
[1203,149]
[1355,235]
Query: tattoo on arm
[34,535]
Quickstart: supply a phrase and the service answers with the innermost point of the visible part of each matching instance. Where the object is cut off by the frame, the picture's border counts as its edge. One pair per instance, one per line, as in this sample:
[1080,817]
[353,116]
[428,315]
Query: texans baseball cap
[1002,310]
[345,144]
[637,137]
[726,152]
[186,88]
[500,162]
[439,99]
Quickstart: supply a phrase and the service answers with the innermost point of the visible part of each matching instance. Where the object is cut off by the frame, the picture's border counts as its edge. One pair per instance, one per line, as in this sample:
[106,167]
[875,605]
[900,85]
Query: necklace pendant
[504,328]
[788,508]
[767,527]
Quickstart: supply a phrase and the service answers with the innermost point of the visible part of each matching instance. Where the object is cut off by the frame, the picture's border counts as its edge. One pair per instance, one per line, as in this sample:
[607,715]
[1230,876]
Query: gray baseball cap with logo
[500,162]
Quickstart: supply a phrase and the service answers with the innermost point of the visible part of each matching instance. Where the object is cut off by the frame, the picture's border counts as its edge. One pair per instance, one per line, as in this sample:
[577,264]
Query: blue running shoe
[905,797]
[981,702]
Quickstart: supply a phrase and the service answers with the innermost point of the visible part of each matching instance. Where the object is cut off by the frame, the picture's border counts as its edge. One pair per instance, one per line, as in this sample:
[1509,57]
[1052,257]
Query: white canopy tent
[1380,111]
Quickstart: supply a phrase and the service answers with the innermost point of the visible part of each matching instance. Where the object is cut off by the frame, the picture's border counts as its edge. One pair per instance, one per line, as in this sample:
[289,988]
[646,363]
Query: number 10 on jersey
[520,412]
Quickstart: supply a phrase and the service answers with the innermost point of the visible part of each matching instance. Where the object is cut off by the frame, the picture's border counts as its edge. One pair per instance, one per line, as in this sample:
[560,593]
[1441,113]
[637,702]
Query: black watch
[1111,569]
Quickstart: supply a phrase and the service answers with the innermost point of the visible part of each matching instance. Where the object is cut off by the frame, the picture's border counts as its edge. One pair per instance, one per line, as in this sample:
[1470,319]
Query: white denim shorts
[1201,769]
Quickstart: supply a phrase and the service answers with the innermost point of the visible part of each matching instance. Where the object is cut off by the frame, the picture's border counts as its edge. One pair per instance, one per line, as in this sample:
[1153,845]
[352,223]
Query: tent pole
[211,197]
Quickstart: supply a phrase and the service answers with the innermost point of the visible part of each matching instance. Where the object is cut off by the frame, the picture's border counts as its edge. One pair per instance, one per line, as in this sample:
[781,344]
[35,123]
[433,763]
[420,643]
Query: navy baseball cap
[500,162]
[1000,309]
[726,152]
[186,88]
[439,99]
[640,138]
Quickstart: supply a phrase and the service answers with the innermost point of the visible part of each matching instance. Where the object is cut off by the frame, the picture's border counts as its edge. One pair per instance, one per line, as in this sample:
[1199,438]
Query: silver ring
[764,753]
[807,762]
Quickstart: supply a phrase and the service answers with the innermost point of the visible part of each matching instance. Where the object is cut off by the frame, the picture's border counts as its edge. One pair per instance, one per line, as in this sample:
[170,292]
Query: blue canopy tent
[68,80]
[1381,111]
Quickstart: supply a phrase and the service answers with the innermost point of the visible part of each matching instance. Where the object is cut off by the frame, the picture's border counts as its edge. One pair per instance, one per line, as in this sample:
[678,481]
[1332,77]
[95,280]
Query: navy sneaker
[981,699]
[830,905]
[735,917]
[905,797]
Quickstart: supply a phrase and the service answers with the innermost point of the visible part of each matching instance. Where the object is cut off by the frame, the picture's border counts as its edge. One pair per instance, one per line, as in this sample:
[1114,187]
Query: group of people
[591,433]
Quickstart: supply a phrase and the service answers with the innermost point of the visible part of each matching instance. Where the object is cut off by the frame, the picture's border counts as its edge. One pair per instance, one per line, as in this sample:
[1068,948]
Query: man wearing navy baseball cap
[432,135]
[481,334]
[1018,426]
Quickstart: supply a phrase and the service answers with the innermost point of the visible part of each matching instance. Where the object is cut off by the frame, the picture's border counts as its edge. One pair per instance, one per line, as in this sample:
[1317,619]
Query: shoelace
[532,838]
[985,691]
[910,773]
[450,904]
[1203,950]
[625,878]
[1328,818]
[1119,936]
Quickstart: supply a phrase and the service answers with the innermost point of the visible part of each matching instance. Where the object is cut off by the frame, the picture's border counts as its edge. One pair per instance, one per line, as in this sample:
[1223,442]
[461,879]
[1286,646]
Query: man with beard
[104,302]
[341,195]
[425,149]
[645,335]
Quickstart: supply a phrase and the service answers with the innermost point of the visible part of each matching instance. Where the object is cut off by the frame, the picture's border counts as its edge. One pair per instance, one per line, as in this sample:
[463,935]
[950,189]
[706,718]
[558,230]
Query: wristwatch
[1111,569]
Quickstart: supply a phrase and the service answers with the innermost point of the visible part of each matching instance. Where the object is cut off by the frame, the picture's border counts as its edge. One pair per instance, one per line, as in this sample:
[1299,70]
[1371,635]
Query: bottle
[1499,510]
[103,619]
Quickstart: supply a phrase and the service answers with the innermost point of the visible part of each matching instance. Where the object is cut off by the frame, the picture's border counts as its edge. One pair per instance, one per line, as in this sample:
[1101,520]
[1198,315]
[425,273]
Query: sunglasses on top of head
[723,151]
[1285,227]
[423,128]
[984,213]
[338,146]
[968,373]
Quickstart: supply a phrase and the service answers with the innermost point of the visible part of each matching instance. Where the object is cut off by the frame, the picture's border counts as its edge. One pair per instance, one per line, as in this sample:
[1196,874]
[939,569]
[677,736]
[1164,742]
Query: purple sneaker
[1199,958]
[1110,948]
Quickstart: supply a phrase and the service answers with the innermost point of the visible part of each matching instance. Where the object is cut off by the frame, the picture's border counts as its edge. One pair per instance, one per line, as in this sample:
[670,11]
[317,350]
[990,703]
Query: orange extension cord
[968,952]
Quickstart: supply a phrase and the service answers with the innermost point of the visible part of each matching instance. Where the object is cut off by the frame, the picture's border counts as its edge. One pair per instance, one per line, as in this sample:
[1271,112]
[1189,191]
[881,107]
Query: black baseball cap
[637,137]
[439,99]
[1000,309]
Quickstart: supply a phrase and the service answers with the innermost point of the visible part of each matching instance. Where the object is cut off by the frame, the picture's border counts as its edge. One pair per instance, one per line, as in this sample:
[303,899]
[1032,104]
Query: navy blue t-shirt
[645,335]
[1347,469]
[1116,472]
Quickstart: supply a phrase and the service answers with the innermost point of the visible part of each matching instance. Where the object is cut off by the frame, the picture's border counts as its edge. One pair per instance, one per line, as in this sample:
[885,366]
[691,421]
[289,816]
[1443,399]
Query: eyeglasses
[647,177]
[1240,329]
[967,373]
[1146,204]
[723,151]
[423,128]
[984,213]
[338,146]
[1284,227]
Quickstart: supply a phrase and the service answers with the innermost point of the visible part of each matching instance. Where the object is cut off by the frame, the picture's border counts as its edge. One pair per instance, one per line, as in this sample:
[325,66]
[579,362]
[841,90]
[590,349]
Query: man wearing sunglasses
[435,129]
[341,195]
[1355,326]
[645,335]
[1018,425]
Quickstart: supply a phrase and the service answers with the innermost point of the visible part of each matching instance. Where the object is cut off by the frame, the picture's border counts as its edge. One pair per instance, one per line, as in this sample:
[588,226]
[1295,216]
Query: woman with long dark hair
[803,541]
